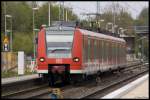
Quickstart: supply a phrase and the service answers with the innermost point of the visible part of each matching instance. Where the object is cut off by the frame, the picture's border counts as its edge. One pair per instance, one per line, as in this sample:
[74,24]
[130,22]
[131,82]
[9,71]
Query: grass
[7,74]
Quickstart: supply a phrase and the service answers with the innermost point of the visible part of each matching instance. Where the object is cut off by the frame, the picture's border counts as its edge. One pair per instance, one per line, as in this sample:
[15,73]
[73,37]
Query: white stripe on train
[71,71]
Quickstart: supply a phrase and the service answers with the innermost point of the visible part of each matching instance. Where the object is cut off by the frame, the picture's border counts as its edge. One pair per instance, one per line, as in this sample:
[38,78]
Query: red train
[73,53]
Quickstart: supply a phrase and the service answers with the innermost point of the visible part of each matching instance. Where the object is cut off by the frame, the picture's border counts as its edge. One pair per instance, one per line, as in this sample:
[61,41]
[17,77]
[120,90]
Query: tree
[143,18]
[42,14]
[21,13]
[122,17]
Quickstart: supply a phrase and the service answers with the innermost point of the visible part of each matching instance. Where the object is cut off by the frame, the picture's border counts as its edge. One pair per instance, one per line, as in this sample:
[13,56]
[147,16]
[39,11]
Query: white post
[49,12]
[20,62]
[63,12]
[66,15]
[11,37]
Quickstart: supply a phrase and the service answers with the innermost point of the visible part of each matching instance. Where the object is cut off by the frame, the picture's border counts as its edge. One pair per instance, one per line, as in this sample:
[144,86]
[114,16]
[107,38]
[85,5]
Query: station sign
[6,47]
[6,44]
[6,40]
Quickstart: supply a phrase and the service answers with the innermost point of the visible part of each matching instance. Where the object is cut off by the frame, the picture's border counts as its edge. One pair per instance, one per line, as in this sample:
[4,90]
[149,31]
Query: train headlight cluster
[76,59]
[42,59]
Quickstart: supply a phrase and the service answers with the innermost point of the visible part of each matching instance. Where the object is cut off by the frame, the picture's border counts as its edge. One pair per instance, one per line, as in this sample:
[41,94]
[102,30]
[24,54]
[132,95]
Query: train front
[58,52]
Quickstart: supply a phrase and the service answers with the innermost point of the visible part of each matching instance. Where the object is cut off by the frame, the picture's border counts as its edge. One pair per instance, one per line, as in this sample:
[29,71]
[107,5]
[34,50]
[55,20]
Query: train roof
[90,33]
[86,32]
[60,28]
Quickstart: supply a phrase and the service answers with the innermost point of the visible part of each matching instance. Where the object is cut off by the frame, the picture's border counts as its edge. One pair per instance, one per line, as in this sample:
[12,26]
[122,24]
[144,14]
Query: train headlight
[76,59]
[42,59]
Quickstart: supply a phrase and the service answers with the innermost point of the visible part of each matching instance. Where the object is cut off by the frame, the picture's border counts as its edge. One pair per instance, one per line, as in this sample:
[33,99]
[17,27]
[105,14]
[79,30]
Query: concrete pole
[66,15]
[63,12]
[59,10]
[49,13]
[113,18]
[11,36]
[33,37]
[5,15]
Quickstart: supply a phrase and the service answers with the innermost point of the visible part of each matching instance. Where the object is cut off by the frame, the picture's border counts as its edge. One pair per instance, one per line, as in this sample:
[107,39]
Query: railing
[141,29]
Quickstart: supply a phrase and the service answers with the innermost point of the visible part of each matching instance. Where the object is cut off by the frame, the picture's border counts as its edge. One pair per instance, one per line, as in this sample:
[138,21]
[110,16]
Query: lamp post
[34,34]
[123,30]
[109,23]
[99,22]
[115,26]
[142,46]
[119,30]
[49,18]
[63,11]
[9,16]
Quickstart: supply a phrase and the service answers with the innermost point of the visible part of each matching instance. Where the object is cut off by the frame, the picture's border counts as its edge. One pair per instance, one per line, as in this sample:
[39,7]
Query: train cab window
[59,43]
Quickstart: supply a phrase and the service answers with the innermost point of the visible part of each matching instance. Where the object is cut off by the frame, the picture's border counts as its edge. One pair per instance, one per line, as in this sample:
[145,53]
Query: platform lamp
[109,23]
[34,9]
[9,16]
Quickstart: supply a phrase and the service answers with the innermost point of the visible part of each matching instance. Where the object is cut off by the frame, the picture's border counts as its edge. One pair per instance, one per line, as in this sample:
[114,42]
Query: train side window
[89,51]
[109,51]
[102,50]
[86,49]
[92,49]
[95,49]
[106,53]
[98,51]
[119,53]
[115,50]
[83,48]
[112,52]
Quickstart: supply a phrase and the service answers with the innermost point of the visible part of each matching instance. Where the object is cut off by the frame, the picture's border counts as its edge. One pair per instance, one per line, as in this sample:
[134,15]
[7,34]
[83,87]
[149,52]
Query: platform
[138,89]
[140,92]
[19,78]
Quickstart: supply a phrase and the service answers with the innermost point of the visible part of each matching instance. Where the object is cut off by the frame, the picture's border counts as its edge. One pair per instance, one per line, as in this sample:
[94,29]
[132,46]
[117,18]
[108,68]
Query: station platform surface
[18,78]
[138,89]
[141,91]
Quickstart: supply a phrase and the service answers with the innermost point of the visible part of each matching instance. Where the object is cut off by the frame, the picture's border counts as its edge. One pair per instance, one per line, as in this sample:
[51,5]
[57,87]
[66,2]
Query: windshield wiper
[58,50]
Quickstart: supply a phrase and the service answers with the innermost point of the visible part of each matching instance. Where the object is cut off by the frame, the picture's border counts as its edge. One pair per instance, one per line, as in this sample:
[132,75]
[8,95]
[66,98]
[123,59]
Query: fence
[9,61]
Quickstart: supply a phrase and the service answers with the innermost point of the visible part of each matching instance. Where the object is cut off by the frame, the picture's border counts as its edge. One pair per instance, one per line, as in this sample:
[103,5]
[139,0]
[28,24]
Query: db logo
[58,60]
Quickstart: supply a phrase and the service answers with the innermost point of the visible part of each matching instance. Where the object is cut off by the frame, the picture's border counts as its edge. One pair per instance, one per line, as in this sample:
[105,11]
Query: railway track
[107,85]
[114,86]
[87,91]
[26,93]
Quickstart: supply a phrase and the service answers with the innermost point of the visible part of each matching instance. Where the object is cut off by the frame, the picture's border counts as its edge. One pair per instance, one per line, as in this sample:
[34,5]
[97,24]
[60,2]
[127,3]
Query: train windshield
[59,44]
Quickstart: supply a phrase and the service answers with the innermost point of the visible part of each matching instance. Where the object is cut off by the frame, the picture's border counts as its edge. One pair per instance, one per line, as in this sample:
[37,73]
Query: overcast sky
[134,7]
